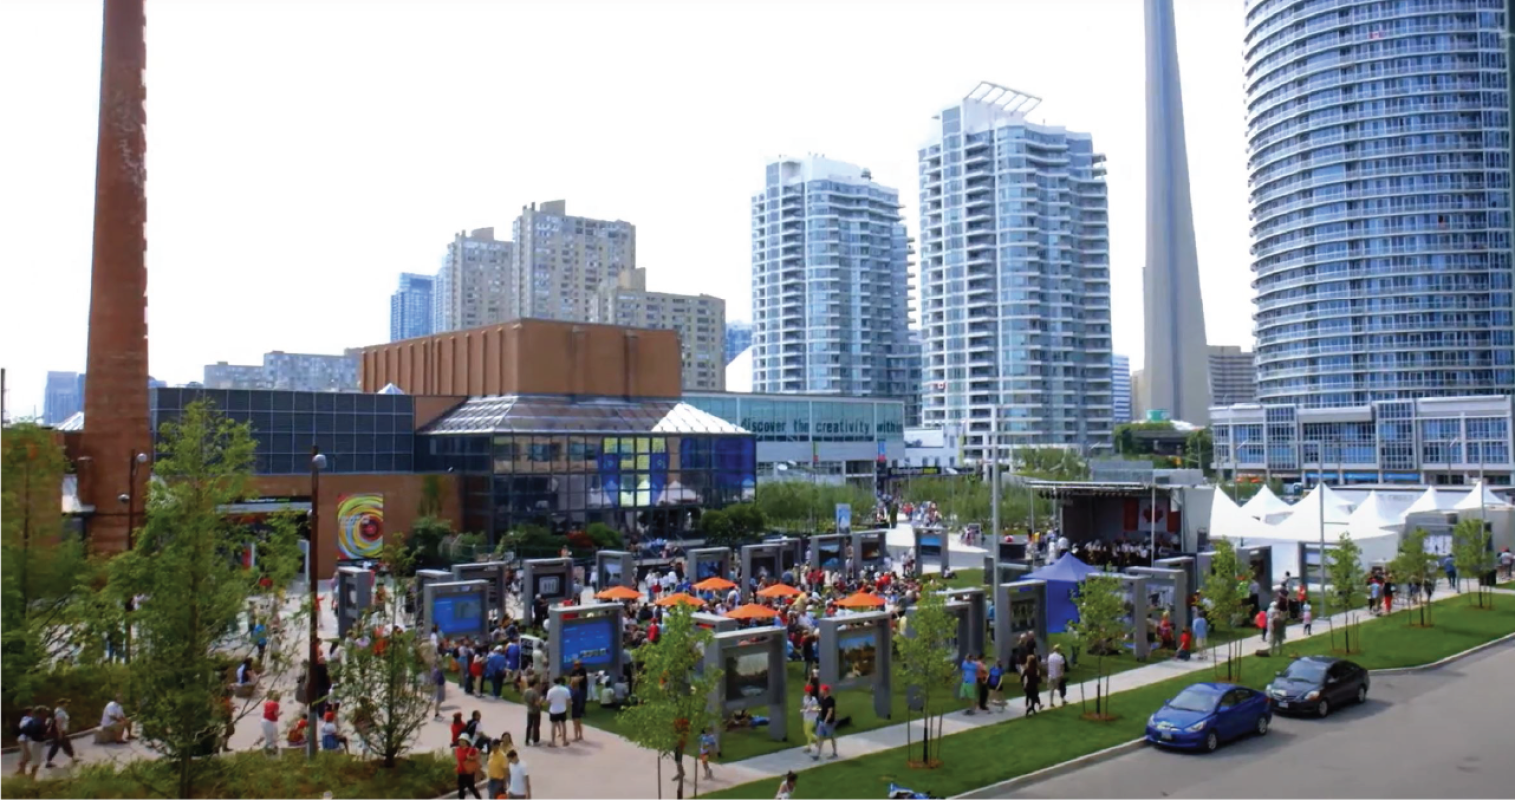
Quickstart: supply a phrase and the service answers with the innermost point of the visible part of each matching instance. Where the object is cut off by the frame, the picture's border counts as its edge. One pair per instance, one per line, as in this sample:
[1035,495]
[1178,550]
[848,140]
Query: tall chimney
[115,396]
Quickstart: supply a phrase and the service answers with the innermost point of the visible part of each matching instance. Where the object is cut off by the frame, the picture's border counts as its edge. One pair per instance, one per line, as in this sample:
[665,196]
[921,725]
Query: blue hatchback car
[1206,714]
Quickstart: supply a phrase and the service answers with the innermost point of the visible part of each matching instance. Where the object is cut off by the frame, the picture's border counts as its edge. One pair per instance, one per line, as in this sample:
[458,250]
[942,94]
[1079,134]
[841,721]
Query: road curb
[1445,661]
[1058,769]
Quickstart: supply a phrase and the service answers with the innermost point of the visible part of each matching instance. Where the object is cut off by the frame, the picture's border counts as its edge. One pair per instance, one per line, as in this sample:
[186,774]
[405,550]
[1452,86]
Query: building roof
[75,422]
[739,372]
[553,414]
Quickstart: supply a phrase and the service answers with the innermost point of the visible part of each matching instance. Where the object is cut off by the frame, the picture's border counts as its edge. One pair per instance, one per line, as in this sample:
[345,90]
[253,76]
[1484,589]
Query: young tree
[1472,556]
[387,683]
[671,716]
[1102,625]
[1225,594]
[1344,570]
[186,565]
[1413,565]
[44,567]
[716,526]
[926,662]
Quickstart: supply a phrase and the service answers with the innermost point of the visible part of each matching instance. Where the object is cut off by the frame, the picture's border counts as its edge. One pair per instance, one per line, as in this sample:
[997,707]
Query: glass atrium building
[1379,159]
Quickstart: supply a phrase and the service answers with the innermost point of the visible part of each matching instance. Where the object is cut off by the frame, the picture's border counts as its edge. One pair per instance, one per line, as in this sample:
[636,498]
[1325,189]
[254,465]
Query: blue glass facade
[411,307]
[1379,155]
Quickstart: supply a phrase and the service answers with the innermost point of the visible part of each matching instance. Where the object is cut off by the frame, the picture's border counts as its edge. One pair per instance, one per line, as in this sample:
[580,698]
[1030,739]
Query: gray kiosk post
[1020,607]
[758,561]
[423,577]
[855,651]
[1009,571]
[932,545]
[962,643]
[548,578]
[829,551]
[492,571]
[709,562]
[791,552]
[615,568]
[1169,581]
[1135,589]
[713,622]
[868,551]
[978,614]
[354,596]
[590,635]
[457,608]
[1259,559]
[1189,564]
[1203,567]
[753,663]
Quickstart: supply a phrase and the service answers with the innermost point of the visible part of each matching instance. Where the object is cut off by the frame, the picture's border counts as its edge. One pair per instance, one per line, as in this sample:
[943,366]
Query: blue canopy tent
[1063,578]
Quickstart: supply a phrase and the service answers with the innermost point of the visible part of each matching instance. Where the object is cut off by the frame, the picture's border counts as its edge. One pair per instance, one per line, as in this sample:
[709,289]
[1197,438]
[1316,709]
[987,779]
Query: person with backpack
[58,734]
[24,733]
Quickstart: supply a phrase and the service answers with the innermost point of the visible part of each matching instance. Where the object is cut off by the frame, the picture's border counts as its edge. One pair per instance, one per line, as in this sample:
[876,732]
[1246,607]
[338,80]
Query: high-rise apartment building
[830,281]
[909,371]
[411,307]
[474,285]
[64,396]
[1379,158]
[1233,378]
[700,321]
[1120,388]
[301,372]
[561,261]
[1015,277]
[224,375]
[738,338]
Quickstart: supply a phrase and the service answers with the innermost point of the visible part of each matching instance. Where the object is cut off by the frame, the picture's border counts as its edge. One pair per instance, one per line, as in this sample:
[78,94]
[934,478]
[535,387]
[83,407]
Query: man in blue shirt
[1201,633]
[513,658]
[494,667]
[968,690]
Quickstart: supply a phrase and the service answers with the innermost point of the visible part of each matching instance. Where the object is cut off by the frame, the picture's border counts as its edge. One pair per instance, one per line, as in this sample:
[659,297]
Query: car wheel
[1322,708]
[1362,693]
[1262,726]
[1211,742]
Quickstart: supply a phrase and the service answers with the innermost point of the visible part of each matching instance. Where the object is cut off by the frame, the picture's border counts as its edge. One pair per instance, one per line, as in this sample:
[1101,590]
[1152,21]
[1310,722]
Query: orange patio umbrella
[778,590]
[713,584]
[861,600]
[619,593]
[679,597]
[752,611]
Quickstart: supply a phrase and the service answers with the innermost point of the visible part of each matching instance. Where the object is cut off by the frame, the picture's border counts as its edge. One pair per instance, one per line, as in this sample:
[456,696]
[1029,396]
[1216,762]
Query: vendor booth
[1062,578]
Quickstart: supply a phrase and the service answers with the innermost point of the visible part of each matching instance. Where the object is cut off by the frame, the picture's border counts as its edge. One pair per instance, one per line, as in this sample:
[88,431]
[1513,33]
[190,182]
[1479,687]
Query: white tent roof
[1432,501]
[1266,503]
[1376,512]
[1338,508]
[1472,501]
[1229,521]
[1304,525]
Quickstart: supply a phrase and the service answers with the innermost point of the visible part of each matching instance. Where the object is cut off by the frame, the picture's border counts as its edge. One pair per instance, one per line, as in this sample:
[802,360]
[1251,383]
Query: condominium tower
[561,261]
[64,396]
[1379,154]
[473,287]
[1120,388]
[830,282]
[1233,377]
[700,321]
[411,307]
[1015,277]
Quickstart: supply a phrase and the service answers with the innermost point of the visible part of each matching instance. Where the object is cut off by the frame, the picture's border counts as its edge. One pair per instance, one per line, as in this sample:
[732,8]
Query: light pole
[138,459]
[317,463]
[994,497]
[1320,492]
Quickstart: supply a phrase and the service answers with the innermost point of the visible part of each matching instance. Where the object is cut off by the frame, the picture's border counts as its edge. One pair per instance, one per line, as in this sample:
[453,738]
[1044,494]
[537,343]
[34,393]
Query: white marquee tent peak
[1480,497]
[1265,504]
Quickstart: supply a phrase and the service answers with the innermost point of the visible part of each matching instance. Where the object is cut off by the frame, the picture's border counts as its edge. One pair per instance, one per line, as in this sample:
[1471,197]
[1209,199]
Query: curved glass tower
[1379,157]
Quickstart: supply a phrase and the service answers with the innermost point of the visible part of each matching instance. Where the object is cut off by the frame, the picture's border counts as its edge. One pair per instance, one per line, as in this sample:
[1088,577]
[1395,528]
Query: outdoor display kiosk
[829,551]
[709,562]
[713,622]
[1189,564]
[533,650]
[754,676]
[1260,558]
[492,571]
[1009,571]
[962,643]
[548,578]
[791,552]
[855,652]
[1012,551]
[759,561]
[1203,566]
[457,608]
[418,588]
[1134,590]
[355,587]
[615,568]
[1170,587]
[589,634]
[978,614]
[868,551]
[1019,607]
[932,546]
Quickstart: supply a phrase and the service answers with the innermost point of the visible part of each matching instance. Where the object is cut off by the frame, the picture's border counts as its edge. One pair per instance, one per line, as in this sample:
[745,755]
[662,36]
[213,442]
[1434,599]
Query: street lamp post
[993,538]
[317,463]
[138,459]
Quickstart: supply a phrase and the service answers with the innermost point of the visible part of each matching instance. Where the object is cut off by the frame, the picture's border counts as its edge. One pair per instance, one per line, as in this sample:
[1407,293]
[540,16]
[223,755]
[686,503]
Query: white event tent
[1480,498]
[1266,506]
[1303,525]
[1376,526]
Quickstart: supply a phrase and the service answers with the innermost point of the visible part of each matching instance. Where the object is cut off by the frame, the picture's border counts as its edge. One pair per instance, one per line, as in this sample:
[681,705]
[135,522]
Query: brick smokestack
[115,397]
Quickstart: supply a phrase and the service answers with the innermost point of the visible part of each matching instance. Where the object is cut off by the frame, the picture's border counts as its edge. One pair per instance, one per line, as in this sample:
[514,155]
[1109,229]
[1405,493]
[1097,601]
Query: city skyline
[441,184]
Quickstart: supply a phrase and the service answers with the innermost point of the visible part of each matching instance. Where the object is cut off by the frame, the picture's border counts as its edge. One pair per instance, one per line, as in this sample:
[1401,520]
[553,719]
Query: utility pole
[994,497]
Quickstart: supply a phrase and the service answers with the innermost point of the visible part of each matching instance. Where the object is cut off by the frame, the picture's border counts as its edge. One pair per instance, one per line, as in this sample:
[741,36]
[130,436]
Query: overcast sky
[302,154]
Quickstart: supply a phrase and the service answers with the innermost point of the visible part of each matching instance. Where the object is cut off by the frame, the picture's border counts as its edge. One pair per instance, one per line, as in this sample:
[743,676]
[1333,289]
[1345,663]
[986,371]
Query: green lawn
[987,755]
[1507,585]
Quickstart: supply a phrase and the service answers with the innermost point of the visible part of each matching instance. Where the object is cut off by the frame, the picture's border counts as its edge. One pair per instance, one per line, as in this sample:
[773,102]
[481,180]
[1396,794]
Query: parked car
[1317,684]
[1205,714]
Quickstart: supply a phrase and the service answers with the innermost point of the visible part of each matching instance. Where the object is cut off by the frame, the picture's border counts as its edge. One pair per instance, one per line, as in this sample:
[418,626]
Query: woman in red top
[468,767]
[1185,639]
[271,722]
[457,725]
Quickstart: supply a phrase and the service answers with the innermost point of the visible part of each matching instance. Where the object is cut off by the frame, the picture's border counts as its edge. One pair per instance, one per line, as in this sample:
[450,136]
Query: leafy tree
[424,542]
[1102,624]
[186,567]
[716,527]
[387,684]
[1199,449]
[604,536]
[747,520]
[431,497]
[44,566]
[1051,464]
[1126,443]
[1471,556]
[1344,570]
[1413,565]
[1226,596]
[670,718]
[926,662]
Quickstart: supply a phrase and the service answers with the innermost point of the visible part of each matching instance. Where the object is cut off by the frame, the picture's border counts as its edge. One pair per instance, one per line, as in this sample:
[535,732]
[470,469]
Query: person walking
[1201,635]
[468,767]
[59,735]
[518,785]
[825,727]
[981,679]
[1031,678]
[997,686]
[810,713]
[1057,676]
[1307,616]
[497,770]
[559,698]
[1277,625]
[579,698]
[271,723]
[968,687]
[532,698]
[24,735]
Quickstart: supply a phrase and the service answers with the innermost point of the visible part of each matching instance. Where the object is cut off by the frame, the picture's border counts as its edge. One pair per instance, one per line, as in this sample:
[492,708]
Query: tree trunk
[184,781]
[660,776]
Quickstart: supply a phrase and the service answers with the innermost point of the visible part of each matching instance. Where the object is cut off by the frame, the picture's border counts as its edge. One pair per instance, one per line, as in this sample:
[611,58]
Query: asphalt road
[1439,733]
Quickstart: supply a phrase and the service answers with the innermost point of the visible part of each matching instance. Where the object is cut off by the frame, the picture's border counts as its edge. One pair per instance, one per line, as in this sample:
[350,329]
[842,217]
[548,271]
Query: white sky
[301,154]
